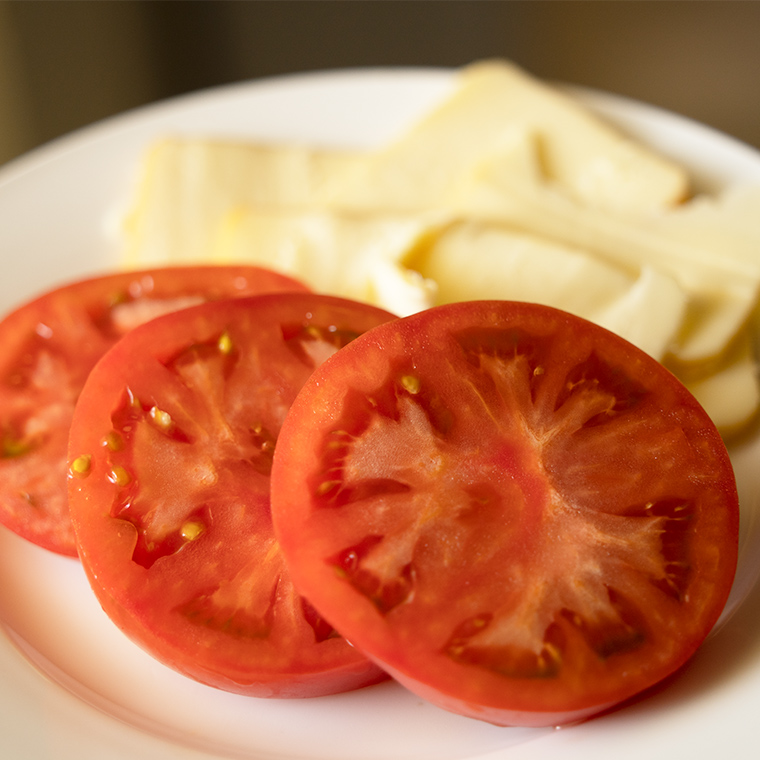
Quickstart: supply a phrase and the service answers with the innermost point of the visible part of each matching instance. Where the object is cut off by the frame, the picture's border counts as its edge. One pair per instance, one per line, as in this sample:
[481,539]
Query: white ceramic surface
[71,686]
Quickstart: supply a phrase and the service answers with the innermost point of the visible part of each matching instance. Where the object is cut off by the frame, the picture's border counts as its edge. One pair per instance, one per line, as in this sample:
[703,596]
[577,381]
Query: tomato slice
[171,448]
[517,514]
[49,347]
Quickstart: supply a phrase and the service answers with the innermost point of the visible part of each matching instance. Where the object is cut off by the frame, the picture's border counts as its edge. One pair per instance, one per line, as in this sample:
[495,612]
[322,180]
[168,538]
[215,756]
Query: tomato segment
[174,433]
[517,514]
[49,346]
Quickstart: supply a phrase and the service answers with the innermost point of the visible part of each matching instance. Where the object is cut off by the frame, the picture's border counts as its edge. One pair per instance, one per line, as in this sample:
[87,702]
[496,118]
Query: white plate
[72,686]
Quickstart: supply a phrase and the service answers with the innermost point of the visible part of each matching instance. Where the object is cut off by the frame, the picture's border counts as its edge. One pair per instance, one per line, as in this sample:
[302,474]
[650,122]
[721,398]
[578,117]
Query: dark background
[66,64]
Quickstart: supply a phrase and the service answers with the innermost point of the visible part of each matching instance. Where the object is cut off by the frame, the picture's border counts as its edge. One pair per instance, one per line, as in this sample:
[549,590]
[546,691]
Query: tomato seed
[411,384]
[81,466]
[119,476]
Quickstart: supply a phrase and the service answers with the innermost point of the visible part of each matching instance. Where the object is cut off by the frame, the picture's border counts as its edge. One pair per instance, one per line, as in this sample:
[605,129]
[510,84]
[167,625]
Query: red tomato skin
[497,716]
[49,346]
[410,637]
[154,601]
[349,671]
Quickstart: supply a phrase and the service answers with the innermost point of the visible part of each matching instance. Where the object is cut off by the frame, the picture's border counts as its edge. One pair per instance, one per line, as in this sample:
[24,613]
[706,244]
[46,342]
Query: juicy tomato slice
[171,449]
[49,347]
[519,515]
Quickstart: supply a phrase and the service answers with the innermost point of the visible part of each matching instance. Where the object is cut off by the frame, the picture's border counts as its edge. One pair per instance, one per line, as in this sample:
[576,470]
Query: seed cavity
[326,486]
[13,447]
[264,443]
[263,439]
[549,661]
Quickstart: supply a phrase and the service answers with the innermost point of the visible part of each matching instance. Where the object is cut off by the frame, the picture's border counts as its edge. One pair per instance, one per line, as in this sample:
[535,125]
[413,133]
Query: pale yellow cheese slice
[590,160]
[726,224]
[187,185]
[353,256]
[731,396]
[722,290]
[649,314]
[470,261]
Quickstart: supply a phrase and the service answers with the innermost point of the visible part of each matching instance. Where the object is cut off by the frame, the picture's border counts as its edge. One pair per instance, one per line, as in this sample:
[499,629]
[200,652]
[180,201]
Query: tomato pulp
[170,454]
[50,345]
[519,515]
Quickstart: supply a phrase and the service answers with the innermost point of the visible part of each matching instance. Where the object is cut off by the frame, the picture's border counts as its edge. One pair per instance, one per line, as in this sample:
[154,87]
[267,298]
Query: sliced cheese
[188,185]
[352,256]
[590,160]
[470,261]
[722,291]
[507,189]
[649,314]
[731,396]
[726,224]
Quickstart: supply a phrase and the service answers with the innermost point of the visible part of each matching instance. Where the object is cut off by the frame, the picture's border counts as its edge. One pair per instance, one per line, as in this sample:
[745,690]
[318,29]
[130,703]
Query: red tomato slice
[171,448]
[49,347]
[517,514]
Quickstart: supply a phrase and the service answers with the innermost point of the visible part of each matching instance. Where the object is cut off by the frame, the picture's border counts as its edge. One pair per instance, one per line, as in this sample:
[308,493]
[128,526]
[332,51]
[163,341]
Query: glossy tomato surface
[519,515]
[50,344]
[170,455]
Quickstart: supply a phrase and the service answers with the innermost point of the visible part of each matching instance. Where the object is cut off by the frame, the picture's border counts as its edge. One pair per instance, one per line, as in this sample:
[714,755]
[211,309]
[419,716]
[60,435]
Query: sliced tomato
[171,449]
[517,514]
[49,347]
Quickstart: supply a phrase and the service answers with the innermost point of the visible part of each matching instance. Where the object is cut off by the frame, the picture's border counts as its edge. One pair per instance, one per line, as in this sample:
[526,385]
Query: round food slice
[170,454]
[50,344]
[519,515]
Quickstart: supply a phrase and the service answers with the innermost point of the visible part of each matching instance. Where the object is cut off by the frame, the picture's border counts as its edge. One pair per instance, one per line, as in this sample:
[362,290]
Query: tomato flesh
[49,347]
[519,515]
[171,448]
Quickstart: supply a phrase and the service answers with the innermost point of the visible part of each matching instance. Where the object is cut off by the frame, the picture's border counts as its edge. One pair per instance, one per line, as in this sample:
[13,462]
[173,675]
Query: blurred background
[67,64]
